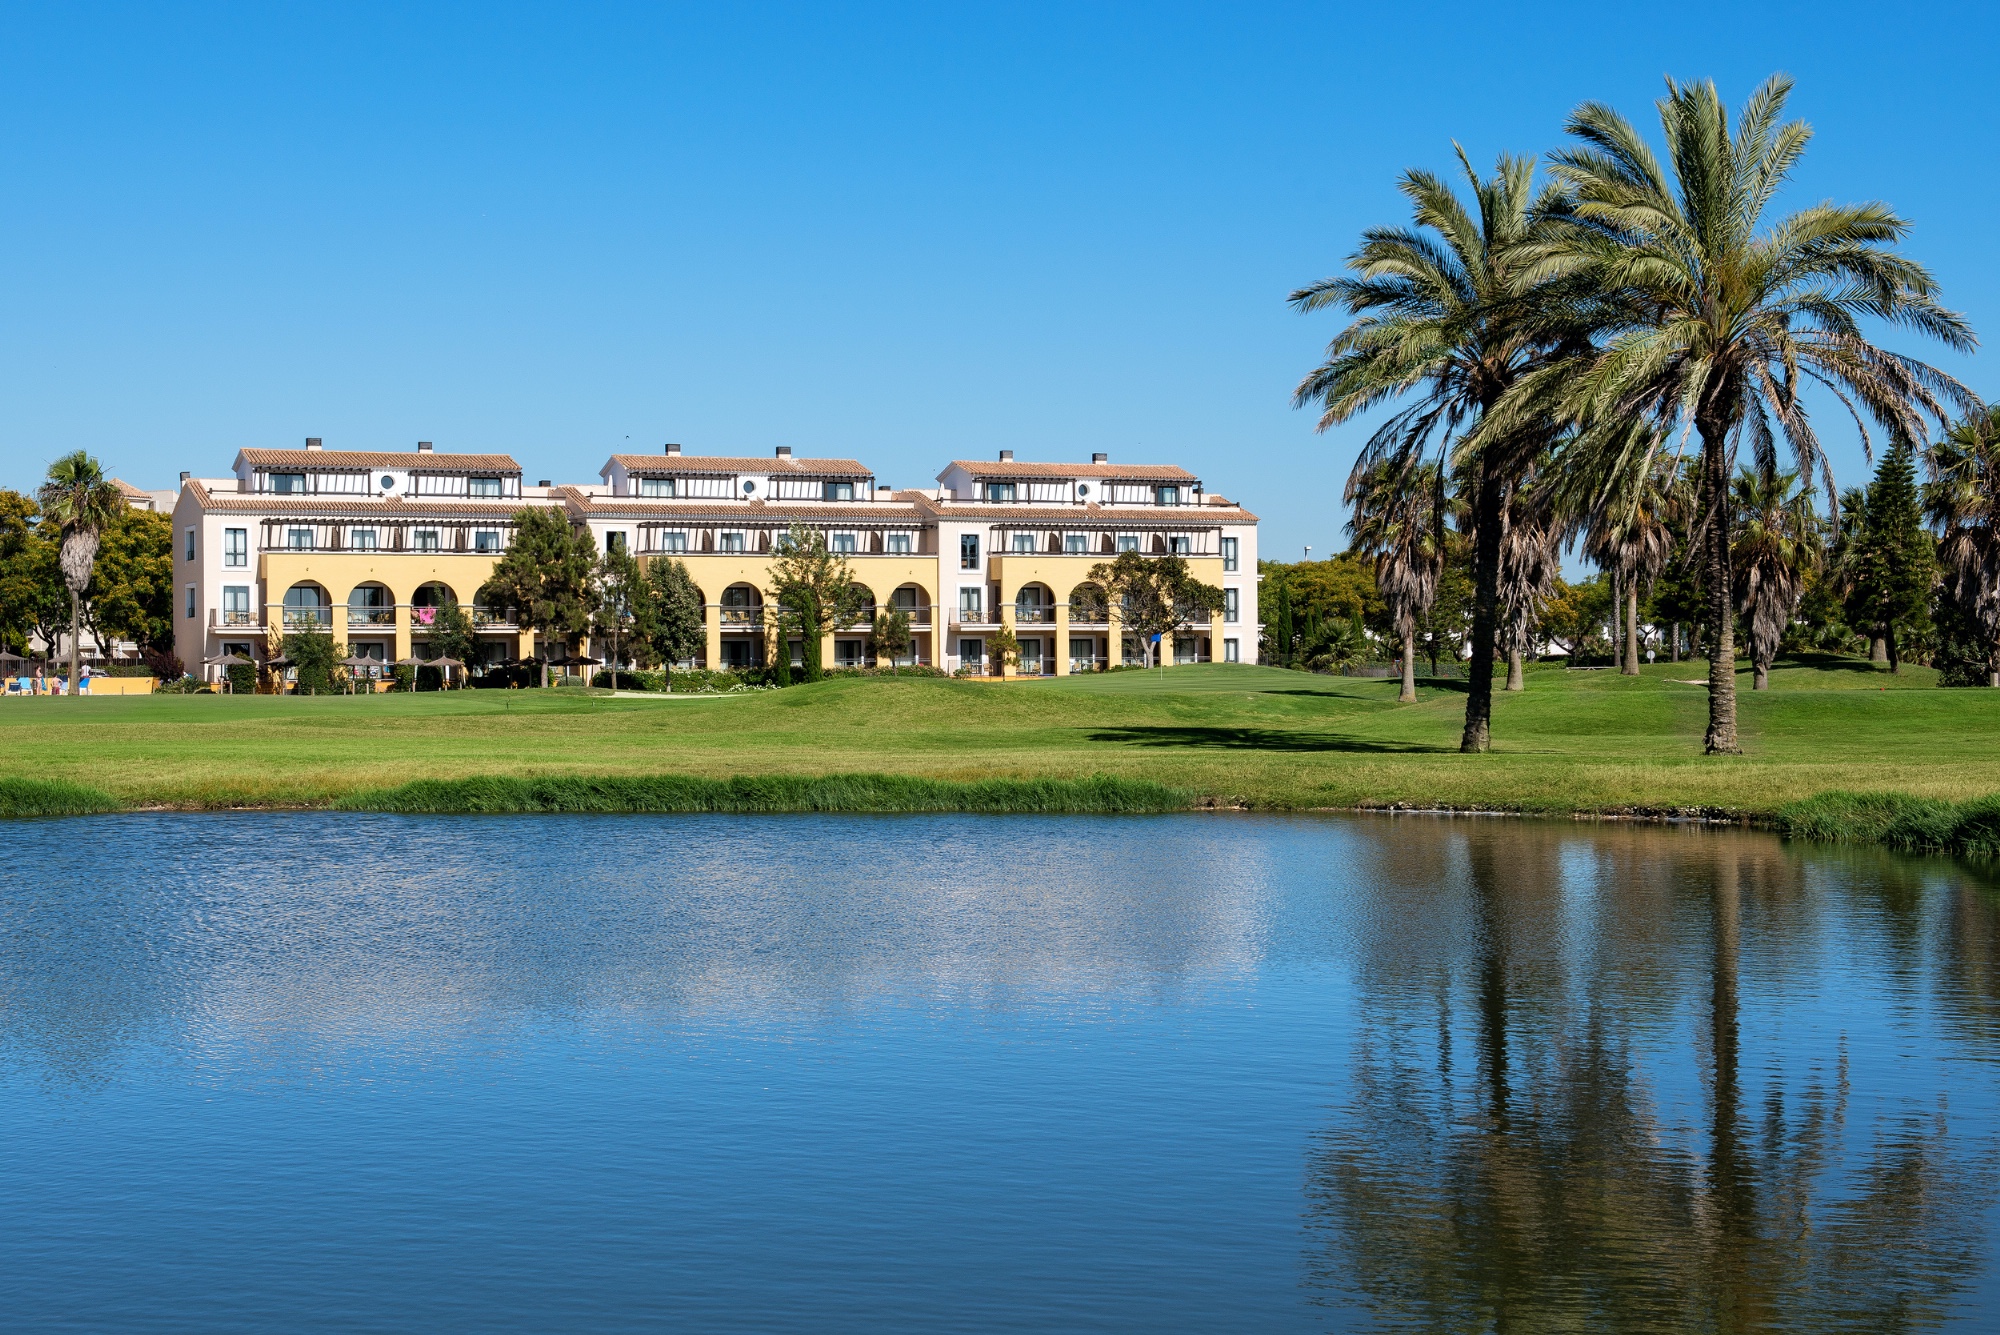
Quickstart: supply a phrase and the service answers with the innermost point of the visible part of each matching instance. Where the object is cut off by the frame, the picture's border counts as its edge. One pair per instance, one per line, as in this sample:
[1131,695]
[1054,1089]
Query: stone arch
[913,599]
[307,604]
[1034,604]
[432,593]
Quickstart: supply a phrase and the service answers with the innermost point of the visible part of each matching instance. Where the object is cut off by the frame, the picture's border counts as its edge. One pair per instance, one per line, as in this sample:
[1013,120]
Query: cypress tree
[1893,561]
[1281,627]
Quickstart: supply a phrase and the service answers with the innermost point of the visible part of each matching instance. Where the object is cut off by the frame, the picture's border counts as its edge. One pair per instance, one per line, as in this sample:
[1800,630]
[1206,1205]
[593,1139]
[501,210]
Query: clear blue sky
[899,234]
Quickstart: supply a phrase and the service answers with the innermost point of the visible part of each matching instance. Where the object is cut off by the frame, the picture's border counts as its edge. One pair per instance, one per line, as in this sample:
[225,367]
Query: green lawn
[1574,741]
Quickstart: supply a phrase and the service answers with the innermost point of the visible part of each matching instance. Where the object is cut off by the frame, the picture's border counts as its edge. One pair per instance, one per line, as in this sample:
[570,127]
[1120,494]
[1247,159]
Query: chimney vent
[423,447]
[312,442]
[545,482]
[673,448]
[184,478]
[1100,458]
[784,451]
[1006,456]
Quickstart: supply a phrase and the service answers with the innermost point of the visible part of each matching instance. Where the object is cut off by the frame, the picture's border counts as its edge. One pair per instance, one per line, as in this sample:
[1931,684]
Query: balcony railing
[482,617]
[233,616]
[308,618]
[371,616]
[1035,615]
[743,617]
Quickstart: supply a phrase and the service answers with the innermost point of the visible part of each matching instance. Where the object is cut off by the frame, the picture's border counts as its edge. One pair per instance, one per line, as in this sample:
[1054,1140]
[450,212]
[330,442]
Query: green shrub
[772,793]
[51,797]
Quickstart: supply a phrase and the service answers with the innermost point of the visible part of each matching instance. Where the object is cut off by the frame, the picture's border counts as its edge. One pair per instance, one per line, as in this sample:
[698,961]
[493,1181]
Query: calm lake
[299,1072]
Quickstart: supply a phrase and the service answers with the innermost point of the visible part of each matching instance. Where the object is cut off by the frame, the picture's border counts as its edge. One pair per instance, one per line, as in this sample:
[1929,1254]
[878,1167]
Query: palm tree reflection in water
[1551,1124]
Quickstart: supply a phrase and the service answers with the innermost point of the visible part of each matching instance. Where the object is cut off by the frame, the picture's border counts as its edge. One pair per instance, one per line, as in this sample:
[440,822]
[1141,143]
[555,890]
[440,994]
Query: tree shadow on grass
[1256,739]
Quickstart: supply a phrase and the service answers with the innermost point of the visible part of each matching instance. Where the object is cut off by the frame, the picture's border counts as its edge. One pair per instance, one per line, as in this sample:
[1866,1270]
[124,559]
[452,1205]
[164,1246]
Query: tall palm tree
[1399,519]
[1530,560]
[1442,321]
[1777,544]
[80,501]
[1627,524]
[1726,317]
[1963,501]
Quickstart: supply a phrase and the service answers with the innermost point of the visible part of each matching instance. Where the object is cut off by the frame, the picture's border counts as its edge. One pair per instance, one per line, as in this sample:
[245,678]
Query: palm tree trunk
[75,641]
[1515,680]
[1632,629]
[1478,734]
[1761,681]
[1677,642]
[1617,610]
[1409,695]
[1721,738]
[1878,648]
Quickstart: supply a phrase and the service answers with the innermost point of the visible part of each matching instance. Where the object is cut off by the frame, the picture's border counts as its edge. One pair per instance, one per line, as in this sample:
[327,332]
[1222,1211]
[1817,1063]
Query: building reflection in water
[1610,1082]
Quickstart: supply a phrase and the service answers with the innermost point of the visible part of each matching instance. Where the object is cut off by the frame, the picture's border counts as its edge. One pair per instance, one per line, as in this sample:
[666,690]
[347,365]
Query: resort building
[367,544]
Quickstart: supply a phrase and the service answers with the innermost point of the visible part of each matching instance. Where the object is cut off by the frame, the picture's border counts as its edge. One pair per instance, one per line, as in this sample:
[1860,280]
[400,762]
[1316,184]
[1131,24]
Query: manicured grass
[1574,741]
[42,797]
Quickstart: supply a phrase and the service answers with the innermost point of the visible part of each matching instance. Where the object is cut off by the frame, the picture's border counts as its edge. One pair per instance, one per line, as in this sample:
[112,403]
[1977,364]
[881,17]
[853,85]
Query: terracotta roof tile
[718,463]
[858,513]
[424,461]
[1131,472]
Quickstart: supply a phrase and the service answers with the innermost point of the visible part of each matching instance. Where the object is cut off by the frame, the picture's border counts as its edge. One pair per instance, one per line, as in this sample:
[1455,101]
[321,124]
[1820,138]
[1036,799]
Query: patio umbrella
[10,659]
[411,662]
[356,661]
[445,665]
[228,661]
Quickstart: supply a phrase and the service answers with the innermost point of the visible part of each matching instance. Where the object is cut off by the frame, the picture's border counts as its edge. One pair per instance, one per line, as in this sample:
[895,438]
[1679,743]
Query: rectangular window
[662,487]
[1229,604]
[673,542]
[843,543]
[190,544]
[236,547]
[1167,495]
[361,539]
[488,540]
[427,539]
[287,484]
[1076,544]
[968,551]
[1024,542]
[1184,650]
[729,542]
[1229,554]
[999,491]
[299,539]
[837,491]
[1179,546]
[614,541]
[972,653]
[969,603]
[899,544]
[236,605]
[847,653]
[190,602]
[482,486]
[1128,542]
[1230,652]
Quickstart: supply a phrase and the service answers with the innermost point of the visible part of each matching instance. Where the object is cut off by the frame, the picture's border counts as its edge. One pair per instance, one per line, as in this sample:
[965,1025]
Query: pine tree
[1893,561]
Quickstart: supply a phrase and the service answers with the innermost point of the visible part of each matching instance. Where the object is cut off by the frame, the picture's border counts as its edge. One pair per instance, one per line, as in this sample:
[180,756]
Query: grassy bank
[772,793]
[1898,820]
[1226,734]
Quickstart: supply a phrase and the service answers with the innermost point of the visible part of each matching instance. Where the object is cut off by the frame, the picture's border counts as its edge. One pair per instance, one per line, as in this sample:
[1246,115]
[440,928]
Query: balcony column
[1062,639]
[711,614]
[402,630]
[524,643]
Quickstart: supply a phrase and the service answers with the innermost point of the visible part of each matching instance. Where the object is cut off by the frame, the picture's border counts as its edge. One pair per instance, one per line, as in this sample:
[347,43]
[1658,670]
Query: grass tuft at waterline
[52,797]
[497,794]
[1898,820]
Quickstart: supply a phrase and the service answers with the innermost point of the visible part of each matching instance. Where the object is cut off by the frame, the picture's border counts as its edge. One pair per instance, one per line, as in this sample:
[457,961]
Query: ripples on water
[359,1072]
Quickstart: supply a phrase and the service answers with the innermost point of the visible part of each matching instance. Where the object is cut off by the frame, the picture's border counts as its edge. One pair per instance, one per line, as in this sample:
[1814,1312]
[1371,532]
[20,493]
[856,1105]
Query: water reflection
[1561,1116]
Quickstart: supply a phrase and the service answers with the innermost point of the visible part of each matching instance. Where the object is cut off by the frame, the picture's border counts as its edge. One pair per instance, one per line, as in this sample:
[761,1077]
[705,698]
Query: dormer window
[288,484]
[482,486]
[999,491]
[837,491]
[660,488]
[1167,495]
